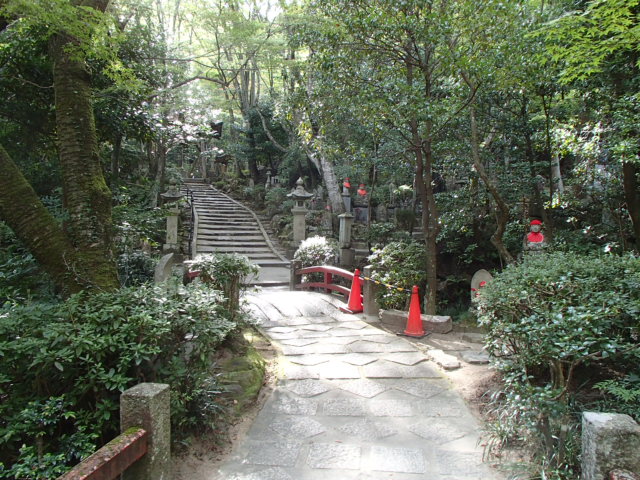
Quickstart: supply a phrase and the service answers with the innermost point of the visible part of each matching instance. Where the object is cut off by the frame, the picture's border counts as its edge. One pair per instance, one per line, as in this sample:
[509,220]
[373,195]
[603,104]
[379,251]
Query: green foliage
[583,41]
[276,201]
[380,233]
[135,268]
[20,275]
[550,318]
[314,251]
[136,223]
[255,195]
[225,272]
[218,269]
[622,395]
[64,365]
[401,264]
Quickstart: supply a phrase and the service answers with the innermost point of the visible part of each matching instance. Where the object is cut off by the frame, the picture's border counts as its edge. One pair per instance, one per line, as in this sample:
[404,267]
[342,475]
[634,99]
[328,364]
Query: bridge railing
[143,450]
[327,284]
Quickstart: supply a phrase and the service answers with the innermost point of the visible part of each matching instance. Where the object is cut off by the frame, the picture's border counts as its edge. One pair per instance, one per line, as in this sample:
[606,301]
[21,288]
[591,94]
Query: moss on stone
[243,377]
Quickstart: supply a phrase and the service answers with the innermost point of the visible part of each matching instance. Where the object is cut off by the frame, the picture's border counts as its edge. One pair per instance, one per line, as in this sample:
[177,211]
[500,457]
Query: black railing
[192,222]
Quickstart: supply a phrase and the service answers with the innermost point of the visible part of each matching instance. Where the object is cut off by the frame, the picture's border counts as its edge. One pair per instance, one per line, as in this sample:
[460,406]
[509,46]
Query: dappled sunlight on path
[352,402]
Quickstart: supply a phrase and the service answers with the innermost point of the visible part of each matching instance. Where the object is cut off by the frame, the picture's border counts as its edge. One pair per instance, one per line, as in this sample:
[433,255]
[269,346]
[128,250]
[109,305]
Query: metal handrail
[192,223]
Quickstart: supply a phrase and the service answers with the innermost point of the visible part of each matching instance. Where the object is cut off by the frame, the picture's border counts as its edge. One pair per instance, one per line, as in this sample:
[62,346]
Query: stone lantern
[299,210]
[171,198]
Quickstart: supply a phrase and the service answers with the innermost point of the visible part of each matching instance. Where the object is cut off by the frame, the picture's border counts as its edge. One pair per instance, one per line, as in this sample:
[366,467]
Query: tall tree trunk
[632,197]
[502,214]
[32,223]
[424,186]
[424,182]
[87,198]
[325,168]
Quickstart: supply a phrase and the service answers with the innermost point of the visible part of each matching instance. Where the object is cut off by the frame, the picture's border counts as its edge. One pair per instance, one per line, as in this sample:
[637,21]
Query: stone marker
[431,323]
[475,358]
[479,280]
[147,405]
[163,269]
[609,441]
[446,361]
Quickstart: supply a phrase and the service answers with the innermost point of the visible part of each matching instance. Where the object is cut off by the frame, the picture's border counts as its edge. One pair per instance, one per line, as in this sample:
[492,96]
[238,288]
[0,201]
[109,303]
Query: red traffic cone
[355,295]
[414,322]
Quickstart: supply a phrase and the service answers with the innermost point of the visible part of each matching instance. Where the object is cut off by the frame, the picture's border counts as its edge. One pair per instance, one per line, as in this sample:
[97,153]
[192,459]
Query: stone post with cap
[299,210]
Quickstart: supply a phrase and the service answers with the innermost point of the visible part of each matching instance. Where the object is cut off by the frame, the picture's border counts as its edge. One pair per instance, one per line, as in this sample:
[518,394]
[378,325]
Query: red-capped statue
[346,183]
[535,241]
[361,190]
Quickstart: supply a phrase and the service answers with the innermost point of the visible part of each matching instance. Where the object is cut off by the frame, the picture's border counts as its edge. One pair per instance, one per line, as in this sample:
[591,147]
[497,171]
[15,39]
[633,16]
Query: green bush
[276,201]
[135,268]
[256,195]
[20,275]
[224,272]
[379,233]
[400,264]
[406,219]
[557,324]
[63,367]
[317,251]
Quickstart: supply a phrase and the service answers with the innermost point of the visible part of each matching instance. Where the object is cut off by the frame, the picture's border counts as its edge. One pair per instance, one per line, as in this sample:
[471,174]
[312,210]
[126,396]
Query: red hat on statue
[535,222]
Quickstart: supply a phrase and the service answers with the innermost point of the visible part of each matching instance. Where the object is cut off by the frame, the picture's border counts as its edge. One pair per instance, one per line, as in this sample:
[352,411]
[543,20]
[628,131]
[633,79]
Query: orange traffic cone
[414,322]
[355,295]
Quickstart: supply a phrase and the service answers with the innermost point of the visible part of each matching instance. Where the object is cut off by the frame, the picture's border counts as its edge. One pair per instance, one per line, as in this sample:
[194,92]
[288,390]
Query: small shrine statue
[535,242]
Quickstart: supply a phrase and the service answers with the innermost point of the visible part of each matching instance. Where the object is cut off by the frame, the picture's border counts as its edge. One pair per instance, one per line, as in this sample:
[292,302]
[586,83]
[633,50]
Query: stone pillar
[299,224]
[294,279]
[172,231]
[346,199]
[299,210]
[147,405]
[344,239]
[369,291]
[609,441]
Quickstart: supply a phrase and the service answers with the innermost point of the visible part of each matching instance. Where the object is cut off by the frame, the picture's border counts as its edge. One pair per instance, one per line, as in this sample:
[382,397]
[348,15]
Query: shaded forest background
[479,115]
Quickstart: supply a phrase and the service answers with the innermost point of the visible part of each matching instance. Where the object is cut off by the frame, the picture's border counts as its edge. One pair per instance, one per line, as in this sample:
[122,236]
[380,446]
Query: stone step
[240,246]
[212,237]
[208,232]
[240,249]
[215,218]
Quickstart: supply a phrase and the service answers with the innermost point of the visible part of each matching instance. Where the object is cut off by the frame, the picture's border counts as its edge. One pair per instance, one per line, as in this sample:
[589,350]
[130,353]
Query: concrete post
[344,239]
[147,405]
[346,199]
[369,291]
[172,231]
[294,279]
[609,441]
[299,224]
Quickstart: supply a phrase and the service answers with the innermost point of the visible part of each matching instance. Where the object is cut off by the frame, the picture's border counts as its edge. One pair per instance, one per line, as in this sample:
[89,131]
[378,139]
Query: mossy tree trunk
[32,223]
[80,255]
[87,198]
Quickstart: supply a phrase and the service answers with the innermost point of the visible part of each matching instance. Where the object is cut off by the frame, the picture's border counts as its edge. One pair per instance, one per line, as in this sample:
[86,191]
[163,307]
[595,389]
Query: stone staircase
[226,226]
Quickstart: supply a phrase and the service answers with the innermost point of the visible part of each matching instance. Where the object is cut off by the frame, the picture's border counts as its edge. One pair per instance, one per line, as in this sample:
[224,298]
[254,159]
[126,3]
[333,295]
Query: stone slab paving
[368,407]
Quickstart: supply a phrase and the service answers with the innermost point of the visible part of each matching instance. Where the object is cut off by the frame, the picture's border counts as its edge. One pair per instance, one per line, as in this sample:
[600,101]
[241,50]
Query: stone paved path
[354,402]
